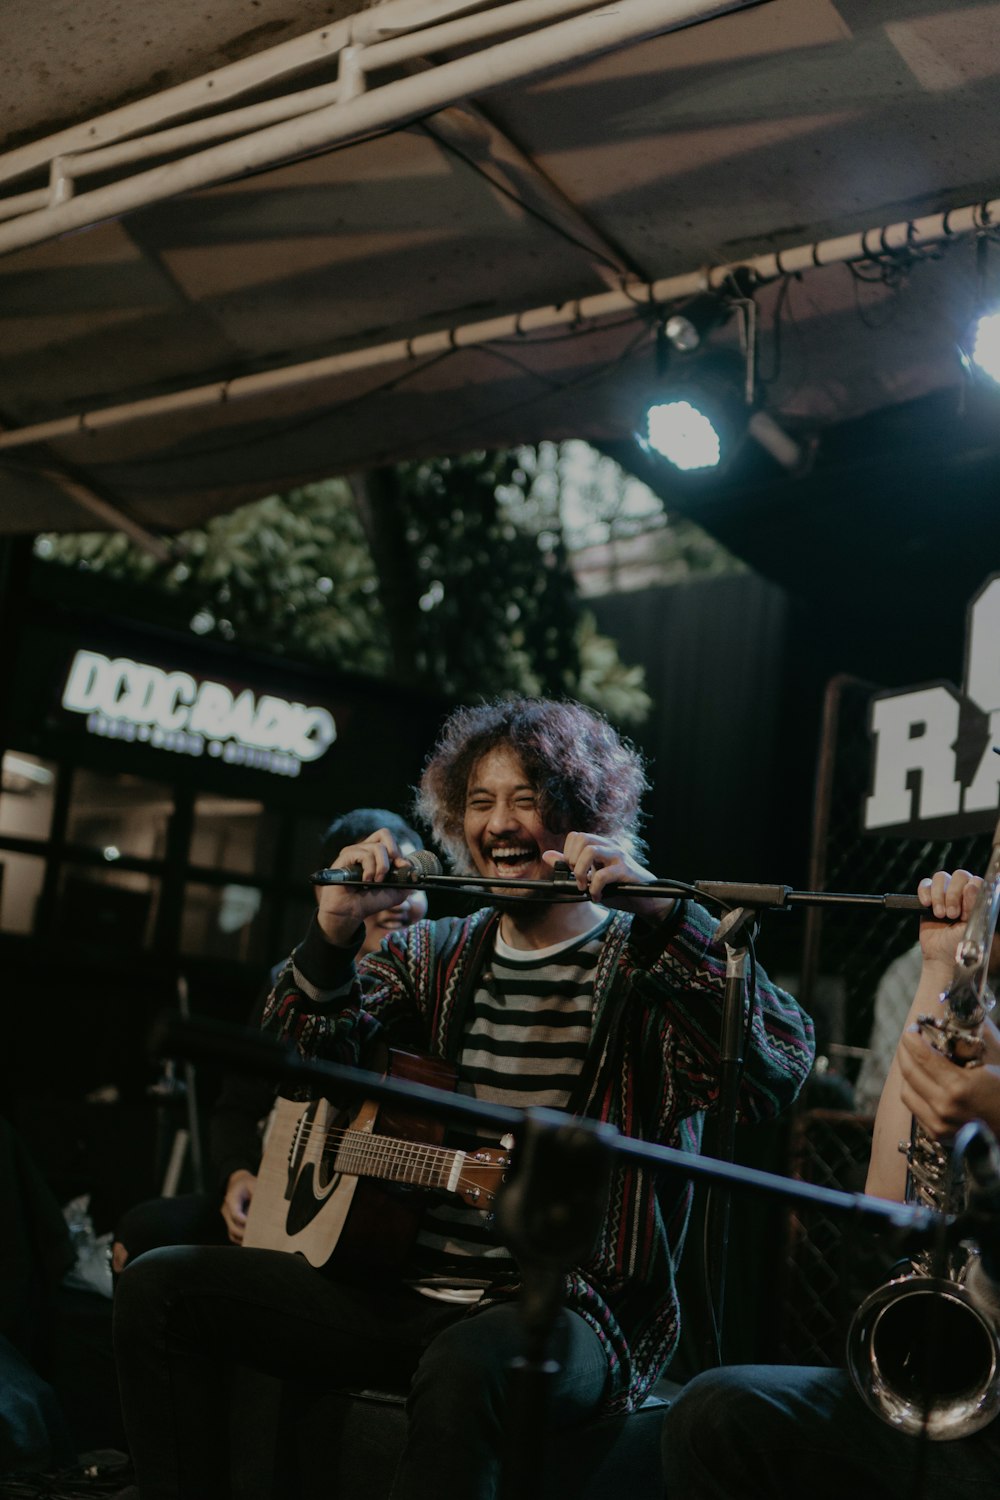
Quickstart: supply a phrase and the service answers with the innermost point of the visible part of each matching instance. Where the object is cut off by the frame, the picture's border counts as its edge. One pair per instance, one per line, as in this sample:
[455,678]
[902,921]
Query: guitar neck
[361,1154]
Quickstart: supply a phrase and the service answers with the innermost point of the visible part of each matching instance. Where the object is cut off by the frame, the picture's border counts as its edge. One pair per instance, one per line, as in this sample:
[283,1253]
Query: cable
[444,433]
[299,424]
[528,208]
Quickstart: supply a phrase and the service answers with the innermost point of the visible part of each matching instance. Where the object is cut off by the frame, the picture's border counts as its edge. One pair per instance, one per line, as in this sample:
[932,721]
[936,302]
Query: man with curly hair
[607,1006]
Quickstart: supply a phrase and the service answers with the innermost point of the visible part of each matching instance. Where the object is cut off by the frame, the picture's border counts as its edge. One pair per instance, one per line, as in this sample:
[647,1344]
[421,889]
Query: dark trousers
[779,1432]
[190,1219]
[185,1316]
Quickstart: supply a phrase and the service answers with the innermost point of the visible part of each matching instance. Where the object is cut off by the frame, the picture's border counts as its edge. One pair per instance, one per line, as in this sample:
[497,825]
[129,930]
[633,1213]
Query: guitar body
[382,1226]
[318,1191]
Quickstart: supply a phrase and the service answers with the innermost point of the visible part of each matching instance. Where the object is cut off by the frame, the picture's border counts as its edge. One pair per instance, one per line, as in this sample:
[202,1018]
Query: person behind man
[893,998]
[758,1432]
[234,1127]
[606,1006]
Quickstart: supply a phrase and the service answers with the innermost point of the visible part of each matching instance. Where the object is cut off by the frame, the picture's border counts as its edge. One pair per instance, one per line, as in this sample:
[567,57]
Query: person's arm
[921,1082]
[678,972]
[317,999]
[678,963]
[893,999]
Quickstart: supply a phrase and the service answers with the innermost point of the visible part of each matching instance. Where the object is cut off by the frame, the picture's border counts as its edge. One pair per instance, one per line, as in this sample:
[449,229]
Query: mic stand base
[549,1215]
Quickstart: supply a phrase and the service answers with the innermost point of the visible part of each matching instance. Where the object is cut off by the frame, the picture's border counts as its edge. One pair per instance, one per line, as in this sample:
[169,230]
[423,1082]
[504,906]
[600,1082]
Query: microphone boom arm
[722,892]
[184,1037]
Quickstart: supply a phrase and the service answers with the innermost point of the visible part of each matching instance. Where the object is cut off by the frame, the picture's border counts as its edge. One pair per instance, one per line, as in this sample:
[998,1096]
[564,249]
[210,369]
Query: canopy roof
[446,225]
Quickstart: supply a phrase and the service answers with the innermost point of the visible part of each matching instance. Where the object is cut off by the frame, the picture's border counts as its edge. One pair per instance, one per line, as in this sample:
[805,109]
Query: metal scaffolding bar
[642,299]
[355,112]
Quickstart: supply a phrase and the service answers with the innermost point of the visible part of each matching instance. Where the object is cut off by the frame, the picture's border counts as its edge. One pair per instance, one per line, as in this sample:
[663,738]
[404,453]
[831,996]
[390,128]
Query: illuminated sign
[129,700]
[934,760]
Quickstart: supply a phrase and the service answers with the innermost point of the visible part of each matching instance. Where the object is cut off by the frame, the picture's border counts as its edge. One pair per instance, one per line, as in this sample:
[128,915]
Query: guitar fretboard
[361,1154]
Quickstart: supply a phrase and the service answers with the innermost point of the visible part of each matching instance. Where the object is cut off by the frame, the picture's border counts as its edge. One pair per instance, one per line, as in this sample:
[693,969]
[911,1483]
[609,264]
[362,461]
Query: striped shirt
[524,1043]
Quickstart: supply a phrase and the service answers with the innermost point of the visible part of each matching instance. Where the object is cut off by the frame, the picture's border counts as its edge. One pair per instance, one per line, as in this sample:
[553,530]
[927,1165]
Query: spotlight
[702,423]
[686,328]
[703,408]
[982,348]
[679,432]
[696,418]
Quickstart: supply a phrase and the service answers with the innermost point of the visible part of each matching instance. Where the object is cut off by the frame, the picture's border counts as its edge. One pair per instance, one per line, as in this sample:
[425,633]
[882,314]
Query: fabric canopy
[301,255]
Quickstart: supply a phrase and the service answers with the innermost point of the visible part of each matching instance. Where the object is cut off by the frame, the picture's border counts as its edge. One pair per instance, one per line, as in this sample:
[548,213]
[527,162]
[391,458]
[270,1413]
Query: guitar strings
[355,1149]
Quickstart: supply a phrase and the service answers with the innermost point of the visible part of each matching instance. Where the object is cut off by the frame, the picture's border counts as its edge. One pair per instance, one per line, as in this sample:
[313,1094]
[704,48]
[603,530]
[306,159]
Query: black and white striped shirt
[524,1043]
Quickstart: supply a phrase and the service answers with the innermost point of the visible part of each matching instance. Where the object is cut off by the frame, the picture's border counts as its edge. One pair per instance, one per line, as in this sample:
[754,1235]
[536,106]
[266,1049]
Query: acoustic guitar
[347,1189]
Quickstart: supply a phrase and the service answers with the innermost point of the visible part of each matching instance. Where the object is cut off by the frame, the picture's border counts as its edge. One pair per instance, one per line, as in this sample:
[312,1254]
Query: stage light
[696,419]
[703,407]
[701,425]
[686,328]
[683,435]
[985,345]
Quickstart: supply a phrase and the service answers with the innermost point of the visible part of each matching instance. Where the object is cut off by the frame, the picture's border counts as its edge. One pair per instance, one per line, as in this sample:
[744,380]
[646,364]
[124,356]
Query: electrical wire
[526,207]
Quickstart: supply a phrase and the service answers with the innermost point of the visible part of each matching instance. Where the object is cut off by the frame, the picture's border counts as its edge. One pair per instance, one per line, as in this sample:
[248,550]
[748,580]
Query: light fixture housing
[705,406]
[688,324]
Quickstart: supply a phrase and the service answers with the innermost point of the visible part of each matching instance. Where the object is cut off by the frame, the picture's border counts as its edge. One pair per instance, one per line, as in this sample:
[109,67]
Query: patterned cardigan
[652,1070]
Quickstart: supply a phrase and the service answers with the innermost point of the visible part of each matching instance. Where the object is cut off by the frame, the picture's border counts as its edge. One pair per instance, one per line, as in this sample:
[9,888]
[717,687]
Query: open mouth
[514,859]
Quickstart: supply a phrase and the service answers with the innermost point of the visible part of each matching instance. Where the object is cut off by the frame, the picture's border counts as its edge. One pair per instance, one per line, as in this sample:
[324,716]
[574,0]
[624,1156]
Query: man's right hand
[342,908]
[236,1203]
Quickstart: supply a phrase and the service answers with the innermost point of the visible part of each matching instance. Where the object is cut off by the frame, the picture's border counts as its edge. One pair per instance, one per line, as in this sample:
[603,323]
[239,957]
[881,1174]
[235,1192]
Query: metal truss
[199,133]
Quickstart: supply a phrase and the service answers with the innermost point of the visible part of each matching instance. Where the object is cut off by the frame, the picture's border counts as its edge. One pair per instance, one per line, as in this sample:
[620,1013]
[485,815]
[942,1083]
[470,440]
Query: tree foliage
[291,574]
[453,573]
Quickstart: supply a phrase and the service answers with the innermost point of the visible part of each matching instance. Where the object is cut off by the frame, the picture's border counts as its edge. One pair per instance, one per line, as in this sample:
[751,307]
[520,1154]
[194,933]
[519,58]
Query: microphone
[421,862]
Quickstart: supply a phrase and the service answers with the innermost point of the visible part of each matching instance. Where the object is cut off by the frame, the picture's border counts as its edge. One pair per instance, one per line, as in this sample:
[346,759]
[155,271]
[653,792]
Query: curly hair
[585,775]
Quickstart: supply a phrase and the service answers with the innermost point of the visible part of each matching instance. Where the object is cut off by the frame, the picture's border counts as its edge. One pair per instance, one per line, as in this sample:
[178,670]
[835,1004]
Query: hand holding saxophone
[944,1097]
[949,899]
[922,1083]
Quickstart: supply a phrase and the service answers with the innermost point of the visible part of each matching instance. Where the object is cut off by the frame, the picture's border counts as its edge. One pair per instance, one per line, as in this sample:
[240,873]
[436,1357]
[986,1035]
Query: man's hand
[236,1203]
[597,863]
[342,908]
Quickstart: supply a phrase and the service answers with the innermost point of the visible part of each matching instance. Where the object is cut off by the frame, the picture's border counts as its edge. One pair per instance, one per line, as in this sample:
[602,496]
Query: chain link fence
[829,1267]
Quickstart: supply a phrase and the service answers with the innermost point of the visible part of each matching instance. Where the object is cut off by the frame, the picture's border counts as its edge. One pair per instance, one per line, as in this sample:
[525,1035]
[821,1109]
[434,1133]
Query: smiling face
[504,829]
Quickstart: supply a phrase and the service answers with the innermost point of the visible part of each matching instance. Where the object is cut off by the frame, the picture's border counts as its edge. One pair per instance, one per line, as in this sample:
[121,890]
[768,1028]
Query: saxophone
[894,1326]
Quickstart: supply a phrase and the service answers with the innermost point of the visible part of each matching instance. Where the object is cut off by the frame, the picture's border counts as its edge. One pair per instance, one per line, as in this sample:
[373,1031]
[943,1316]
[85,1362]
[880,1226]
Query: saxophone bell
[887,1357]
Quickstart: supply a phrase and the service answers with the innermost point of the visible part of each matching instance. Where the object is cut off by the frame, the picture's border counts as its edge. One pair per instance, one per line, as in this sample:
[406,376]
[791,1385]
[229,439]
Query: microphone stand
[727,893]
[736,931]
[549,1215]
[743,902]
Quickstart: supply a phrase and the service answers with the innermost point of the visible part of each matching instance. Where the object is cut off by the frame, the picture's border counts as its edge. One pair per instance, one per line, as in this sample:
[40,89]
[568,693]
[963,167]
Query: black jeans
[190,1219]
[781,1432]
[185,1316]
